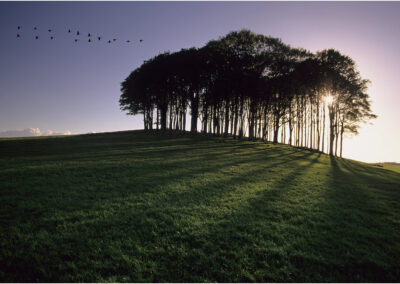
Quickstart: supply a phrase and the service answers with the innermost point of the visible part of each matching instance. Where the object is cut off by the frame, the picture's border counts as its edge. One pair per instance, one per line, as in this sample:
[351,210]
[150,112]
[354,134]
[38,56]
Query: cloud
[32,132]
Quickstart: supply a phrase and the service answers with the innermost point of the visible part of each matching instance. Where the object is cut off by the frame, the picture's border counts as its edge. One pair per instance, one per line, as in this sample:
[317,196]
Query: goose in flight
[99,37]
[76,40]
[49,31]
[141,40]
[35,28]
[89,35]
[109,41]
[36,37]
[89,40]
[69,31]
[18,35]
[77,33]
[128,41]
[19,27]
[52,37]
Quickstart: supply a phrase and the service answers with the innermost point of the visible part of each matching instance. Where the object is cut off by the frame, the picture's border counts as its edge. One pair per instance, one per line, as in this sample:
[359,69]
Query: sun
[329,100]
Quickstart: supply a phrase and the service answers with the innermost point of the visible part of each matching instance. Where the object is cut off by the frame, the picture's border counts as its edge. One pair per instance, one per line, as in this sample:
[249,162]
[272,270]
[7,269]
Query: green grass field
[131,206]
[389,166]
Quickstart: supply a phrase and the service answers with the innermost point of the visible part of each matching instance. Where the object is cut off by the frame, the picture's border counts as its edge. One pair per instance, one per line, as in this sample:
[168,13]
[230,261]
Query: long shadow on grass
[229,249]
[234,256]
[159,220]
[151,220]
[189,185]
[152,230]
[362,241]
[52,191]
[341,259]
[189,234]
[210,251]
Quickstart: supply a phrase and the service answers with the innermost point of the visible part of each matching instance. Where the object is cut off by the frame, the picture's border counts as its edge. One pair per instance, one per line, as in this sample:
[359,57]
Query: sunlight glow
[329,100]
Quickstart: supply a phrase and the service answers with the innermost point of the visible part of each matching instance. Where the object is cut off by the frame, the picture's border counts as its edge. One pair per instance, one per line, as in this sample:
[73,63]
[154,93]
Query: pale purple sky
[61,85]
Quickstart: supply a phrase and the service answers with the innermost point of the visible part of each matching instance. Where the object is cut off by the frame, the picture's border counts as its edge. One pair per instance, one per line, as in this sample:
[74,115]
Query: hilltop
[145,206]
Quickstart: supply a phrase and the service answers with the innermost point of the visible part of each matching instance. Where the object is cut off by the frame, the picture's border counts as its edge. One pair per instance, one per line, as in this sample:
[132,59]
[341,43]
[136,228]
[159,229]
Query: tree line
[250,85]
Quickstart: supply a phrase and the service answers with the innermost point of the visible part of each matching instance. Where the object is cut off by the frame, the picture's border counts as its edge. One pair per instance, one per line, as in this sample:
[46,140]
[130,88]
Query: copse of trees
[246,84]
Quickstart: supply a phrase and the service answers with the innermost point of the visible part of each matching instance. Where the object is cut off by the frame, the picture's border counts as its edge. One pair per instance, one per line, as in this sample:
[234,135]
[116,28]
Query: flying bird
[76,40]
[52,37]
[128,41]
[88,35]
[36,37]
[35,28]
[141,40]
[18,35]
[77,33]
[109,41]
[19,27]
[114,39]
[49,31]
[69,31]
[89,40]
[99,37]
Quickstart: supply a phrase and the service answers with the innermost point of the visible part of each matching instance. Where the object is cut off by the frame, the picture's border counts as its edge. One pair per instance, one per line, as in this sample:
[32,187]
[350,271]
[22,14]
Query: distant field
[137,207]
[388,166]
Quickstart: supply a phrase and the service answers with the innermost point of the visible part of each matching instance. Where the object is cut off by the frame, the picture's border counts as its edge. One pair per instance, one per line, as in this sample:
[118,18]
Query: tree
[246,84]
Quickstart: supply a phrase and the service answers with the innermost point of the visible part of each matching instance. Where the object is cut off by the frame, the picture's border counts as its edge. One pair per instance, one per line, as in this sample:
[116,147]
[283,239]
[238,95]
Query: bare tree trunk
[210,121]
[284,133]
[259,121]
[170,117]
[226,130]
[265,126]
[194,111]
[163,114]
[158,117]
[297,123]
[311,125]
[215,120]
[144,120]
[241,119]
[151,110]
[235,124]
[323,128]
[305,127]
[251,120]
[276,128]
[184,120]
[232,118]
[276,121]
[318,126]
[336,132]
[290,125]
[341,139]
[205,118]
[331,129]
[176,118]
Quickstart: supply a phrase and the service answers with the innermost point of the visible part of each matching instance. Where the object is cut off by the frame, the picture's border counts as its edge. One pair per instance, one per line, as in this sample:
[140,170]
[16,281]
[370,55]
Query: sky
[61,86]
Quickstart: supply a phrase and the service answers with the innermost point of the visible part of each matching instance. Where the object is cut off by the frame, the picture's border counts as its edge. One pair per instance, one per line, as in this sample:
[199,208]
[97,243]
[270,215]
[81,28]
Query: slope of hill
[134,206]
[389,166]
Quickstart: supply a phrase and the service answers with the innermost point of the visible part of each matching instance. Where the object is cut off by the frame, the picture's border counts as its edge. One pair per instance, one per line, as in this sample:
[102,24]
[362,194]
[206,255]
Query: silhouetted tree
[246,84]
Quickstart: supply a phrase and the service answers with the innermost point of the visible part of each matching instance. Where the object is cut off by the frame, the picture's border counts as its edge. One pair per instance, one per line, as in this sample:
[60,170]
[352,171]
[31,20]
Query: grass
[389,166]
[146,207]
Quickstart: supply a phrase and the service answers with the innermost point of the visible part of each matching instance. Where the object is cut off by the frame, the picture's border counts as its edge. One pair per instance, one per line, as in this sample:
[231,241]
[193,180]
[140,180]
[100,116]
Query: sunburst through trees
[246,84]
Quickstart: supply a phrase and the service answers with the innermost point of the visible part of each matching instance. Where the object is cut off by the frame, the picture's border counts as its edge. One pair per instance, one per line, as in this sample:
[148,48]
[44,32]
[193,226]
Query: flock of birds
[90,37]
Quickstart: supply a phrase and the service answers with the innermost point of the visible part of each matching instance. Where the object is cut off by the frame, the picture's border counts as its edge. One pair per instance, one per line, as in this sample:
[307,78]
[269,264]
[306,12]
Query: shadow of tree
[231,211]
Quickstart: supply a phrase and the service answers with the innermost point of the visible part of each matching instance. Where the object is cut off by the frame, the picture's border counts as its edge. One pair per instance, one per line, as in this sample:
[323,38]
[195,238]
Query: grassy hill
[389,166]
[131,206]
